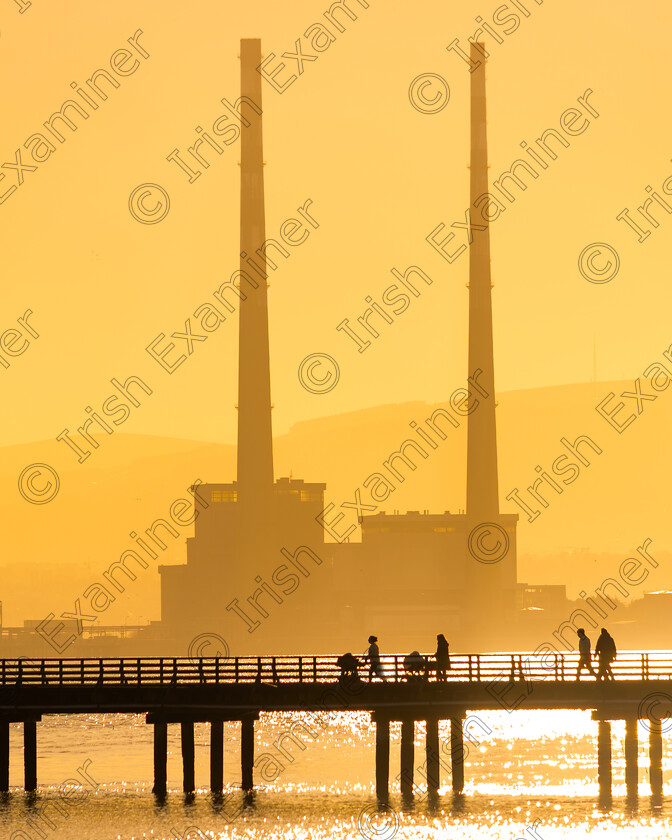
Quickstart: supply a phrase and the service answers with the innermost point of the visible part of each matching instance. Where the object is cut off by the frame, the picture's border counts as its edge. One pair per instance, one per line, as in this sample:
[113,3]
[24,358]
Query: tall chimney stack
[482,482]
[255,439]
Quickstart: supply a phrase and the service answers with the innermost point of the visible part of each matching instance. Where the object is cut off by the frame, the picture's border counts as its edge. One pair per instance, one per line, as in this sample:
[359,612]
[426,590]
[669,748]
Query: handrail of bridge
[479,668]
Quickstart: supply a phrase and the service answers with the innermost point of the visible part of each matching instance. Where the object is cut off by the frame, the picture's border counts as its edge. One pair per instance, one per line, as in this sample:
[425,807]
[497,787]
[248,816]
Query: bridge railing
[485,668]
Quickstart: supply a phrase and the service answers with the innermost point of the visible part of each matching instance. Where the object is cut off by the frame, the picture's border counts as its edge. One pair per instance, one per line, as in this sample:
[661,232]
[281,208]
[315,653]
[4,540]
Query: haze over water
[532,766]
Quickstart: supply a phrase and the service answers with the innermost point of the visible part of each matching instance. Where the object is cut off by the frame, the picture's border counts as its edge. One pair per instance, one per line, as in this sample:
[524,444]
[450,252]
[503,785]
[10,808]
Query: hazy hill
[52,552]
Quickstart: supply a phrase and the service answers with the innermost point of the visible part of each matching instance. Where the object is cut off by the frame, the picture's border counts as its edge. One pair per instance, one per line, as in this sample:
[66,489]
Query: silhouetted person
[605,650]
[442,657]
[584,654]
[415,666]
[372,656]
[348,664]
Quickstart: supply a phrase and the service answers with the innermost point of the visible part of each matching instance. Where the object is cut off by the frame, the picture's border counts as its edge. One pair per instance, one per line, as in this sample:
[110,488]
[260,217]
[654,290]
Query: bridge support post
[604,758]
[656,758]
[30,754]
[457,754]
[247,752]
[382,758]
[187,741]
[216,756]
[631,769]
[160,757]
[4,756]
[407,757]
[432,754]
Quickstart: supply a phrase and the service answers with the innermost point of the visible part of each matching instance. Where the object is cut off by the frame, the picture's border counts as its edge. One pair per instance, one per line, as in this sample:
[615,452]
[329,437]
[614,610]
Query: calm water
[531,766]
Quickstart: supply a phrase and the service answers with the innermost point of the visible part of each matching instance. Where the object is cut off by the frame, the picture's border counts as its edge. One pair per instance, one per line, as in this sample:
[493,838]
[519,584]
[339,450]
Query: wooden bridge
[216,690]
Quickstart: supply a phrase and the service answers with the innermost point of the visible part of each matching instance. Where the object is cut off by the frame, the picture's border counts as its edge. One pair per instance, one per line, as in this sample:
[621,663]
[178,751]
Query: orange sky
[380,174]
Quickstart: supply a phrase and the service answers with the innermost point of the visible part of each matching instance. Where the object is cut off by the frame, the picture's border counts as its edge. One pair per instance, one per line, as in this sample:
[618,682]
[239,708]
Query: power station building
[260,570]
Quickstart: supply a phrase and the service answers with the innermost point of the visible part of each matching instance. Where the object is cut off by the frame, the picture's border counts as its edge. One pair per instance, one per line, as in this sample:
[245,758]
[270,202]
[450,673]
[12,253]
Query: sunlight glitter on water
[520,768]
[441,826]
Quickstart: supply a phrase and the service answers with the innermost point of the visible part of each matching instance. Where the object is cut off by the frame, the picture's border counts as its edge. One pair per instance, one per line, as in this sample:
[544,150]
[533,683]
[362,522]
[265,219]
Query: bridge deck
[226,688]
[199,689]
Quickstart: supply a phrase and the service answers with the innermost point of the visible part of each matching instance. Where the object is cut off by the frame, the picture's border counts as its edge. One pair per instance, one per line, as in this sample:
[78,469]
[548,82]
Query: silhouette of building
[259,539]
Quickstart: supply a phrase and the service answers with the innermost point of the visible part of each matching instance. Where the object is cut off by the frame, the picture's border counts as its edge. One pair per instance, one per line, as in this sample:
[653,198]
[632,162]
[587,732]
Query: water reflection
[605,801]
[529,766]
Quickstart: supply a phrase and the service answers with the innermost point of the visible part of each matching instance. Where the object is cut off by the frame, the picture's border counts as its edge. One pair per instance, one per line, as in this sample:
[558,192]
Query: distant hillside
[613,505]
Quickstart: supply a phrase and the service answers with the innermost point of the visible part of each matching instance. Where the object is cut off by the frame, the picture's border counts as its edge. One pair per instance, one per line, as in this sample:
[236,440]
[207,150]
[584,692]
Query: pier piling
[382,758]
[160,757]
[457,754]
[4,756]
[432,754]
[604,758]
[216,756]
[407,757]
[30,754]
[247,752]
[656,758]
[187,741]
[631,769]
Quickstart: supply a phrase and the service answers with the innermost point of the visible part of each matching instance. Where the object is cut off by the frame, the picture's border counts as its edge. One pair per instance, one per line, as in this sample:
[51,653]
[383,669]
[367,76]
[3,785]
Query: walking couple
[605,650]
